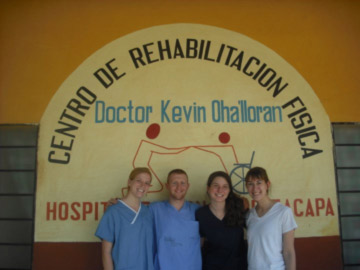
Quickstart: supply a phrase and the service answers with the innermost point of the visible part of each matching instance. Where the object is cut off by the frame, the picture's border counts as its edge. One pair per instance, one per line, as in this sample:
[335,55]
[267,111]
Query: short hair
[139,170]
[257,173]
[176,171]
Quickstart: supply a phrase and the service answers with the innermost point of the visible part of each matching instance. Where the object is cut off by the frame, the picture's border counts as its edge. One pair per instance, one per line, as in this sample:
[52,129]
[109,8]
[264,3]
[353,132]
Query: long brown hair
[234,204]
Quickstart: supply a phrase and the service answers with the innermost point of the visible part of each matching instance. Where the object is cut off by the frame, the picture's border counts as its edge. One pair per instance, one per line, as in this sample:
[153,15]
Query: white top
[264,236]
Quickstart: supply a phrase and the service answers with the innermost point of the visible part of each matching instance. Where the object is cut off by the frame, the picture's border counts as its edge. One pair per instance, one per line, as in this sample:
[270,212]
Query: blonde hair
[176,171]
[139,170]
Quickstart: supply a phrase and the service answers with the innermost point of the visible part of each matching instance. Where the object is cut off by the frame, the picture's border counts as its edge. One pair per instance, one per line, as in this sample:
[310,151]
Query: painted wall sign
[191,96]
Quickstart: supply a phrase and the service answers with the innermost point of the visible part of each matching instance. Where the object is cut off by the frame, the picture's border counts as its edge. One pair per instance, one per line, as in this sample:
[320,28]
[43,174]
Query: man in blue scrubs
[176,230]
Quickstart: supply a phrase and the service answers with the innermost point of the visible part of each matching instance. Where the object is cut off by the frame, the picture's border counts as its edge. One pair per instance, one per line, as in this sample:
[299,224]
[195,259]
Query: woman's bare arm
[289,250]
[106,255]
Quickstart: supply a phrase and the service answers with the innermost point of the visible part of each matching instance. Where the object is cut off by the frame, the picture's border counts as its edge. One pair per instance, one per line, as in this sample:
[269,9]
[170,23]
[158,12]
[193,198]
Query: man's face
[177,185]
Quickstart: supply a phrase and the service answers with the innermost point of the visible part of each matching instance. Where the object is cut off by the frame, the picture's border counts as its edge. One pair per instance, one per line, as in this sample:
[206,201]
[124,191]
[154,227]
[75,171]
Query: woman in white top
[270,227]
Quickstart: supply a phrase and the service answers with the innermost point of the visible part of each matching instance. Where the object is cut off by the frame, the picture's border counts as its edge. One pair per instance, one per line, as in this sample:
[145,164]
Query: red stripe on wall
[318,253]
[67,256]
[311,254]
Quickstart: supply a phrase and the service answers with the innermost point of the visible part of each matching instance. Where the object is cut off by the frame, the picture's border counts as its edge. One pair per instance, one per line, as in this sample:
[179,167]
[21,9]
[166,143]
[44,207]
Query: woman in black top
[222,226]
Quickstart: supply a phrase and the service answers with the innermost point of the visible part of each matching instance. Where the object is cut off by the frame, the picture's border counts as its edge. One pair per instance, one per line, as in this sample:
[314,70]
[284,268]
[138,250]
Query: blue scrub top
[177,237]
[131,234]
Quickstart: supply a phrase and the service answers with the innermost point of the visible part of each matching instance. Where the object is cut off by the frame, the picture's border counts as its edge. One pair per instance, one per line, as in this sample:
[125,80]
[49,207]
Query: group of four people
[180,235]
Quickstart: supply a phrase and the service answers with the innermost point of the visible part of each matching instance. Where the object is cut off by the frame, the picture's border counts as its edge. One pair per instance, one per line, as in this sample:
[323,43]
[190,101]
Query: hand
[112,201]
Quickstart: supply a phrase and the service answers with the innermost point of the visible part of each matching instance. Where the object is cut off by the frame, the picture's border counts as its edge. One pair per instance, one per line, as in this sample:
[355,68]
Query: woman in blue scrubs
[222,226]
[126,229]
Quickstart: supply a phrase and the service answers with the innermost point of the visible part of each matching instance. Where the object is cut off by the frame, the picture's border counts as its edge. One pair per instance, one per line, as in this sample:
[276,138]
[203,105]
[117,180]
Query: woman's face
[140,185]
[257,188]
[219,189]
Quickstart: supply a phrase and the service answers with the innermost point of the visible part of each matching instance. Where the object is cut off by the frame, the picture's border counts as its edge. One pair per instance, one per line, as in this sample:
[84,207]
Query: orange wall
[43,41]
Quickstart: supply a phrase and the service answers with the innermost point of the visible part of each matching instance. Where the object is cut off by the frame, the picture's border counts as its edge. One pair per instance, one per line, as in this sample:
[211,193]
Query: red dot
[153,131]
[224,137]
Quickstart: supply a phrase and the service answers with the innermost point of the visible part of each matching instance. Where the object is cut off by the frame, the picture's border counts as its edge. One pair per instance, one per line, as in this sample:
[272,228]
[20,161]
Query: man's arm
[112,201]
